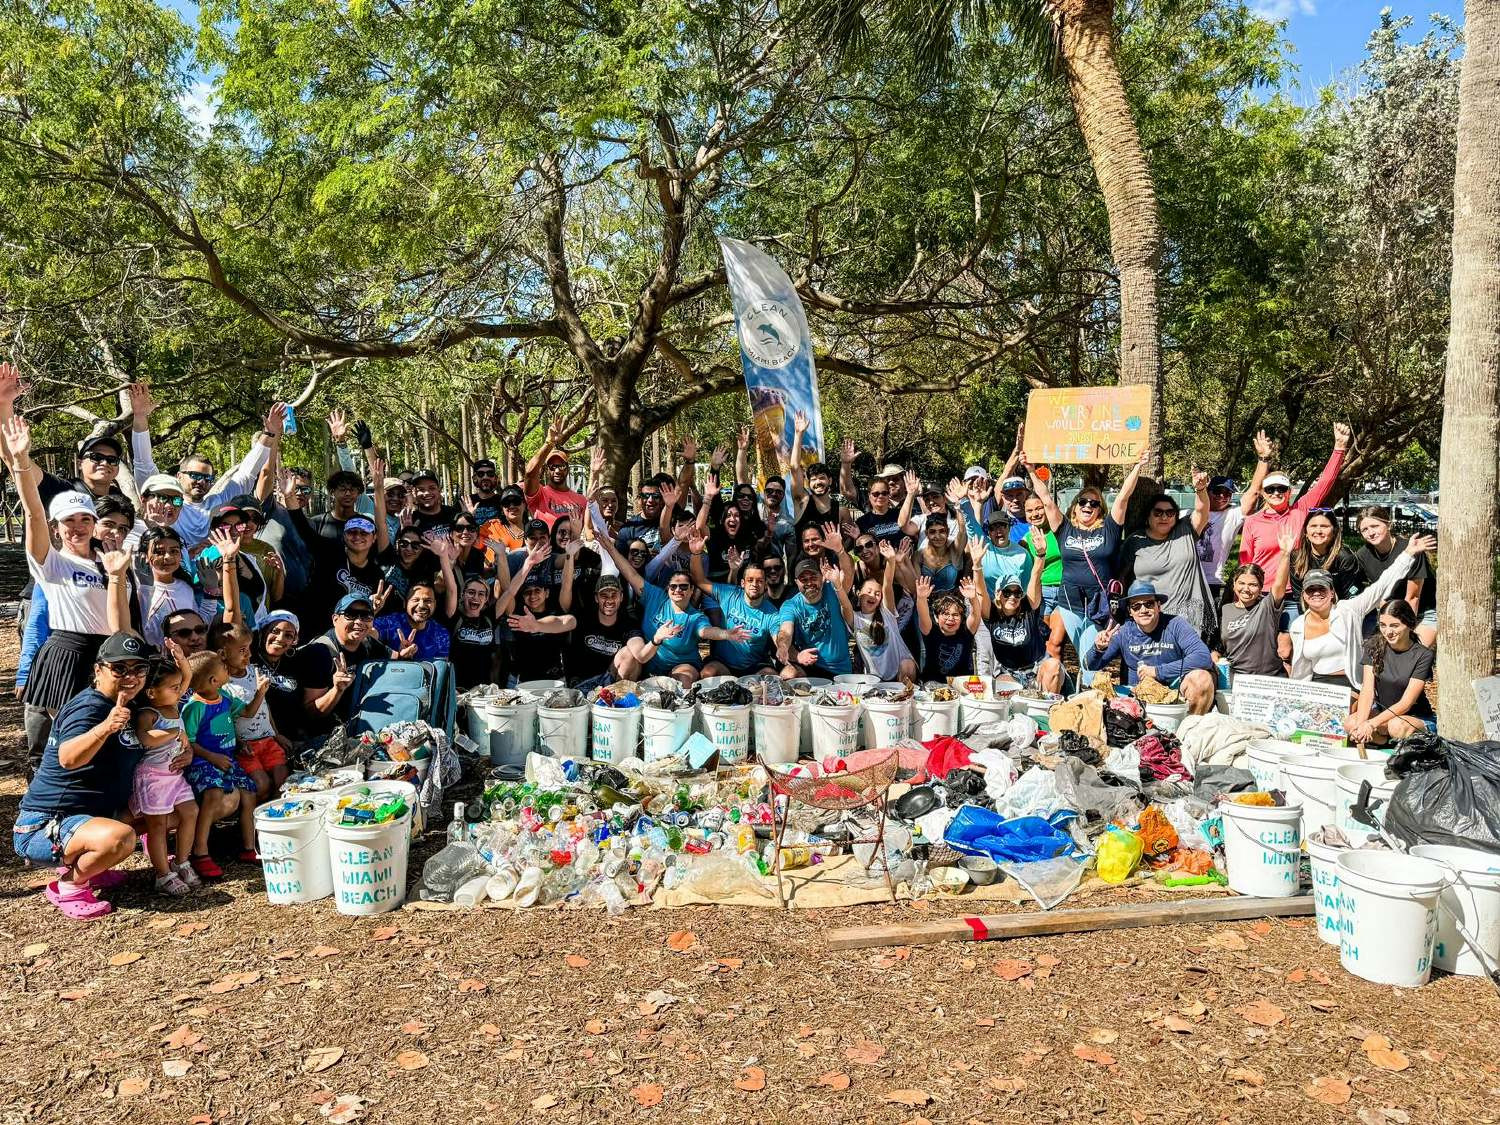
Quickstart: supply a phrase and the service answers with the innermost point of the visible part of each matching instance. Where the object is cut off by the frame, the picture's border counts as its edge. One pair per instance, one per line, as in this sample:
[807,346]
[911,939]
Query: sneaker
[185,872]
[205,866]
[247,855]
[172,884]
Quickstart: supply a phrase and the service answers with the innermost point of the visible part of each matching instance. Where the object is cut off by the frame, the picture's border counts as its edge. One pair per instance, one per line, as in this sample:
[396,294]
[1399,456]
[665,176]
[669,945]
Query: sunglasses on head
[166,498]
[189,631]
[101,458]
[1320,511]
[201,478]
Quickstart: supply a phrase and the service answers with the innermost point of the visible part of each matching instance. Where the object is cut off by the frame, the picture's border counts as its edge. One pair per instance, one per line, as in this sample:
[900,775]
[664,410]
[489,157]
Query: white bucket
[663,732]
[1264,762]
[1325,889]
[778,733]
[886,722]
[1347,782]
[1038,710]
[973,712]
[616,730]
[835,730]
[1262,849]
[1310,783]
[1166,716]
[368,862]
[477,723]
[541,687]
[563,732]
[512,732]
[934,718]
[294,852]
[1389,903]
[728,728]
[856,683]
[383,787]
[1471,902]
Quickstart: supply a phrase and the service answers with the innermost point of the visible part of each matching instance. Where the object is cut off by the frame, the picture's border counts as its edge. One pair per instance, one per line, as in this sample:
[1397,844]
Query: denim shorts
[42,839]
[1429,619]
[1049,599]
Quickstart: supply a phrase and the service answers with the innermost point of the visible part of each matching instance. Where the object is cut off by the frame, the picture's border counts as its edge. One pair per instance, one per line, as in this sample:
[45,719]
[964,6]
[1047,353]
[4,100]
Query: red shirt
[1258,538]
[547,503]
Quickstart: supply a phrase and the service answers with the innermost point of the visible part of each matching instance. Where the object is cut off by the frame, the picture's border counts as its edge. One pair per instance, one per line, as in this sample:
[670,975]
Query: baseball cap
[66,504]
[537,527]
[248,504]
[1277,479]
[1223,483]
[349,601]
[424,474]
[891,469]
[976,472]
[535,581]
[161,482]
[359,523]
[228,508]
[1010,582]
[102,439]
[996,518]
[1317,579]
[484,463]
[281,615]
[1010,483]
[122,646]
[807,563]
[557,455]
[511,492]
[607,582]
[391,482]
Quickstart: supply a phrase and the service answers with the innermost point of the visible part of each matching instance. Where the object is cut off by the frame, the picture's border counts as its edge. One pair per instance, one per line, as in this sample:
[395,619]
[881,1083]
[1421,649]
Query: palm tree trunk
[1467,472]
[1086,44]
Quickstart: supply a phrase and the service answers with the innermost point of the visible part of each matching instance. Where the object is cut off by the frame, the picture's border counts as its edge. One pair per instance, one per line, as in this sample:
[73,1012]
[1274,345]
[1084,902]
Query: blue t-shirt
[433,642]
[658,610]
[820,626]
[1080,546]
[745,656]
[100,788]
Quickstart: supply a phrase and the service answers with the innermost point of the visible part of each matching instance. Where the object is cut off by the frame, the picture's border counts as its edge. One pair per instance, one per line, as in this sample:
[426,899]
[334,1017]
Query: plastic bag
[1083,789]
[1449,793]
[1120,727]
[1185,815]
[1034,794]
[1049,881]
[979,831]
[1118,854]
[1158,837]
[731,694]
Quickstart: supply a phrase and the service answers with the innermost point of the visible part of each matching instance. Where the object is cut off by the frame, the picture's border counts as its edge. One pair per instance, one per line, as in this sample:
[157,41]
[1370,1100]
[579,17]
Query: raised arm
[791,465]
[848,488]
[533,477]
[242,477]
[377,477]
[913,487]
[831,577]
[973,594]
[1009,468]
[1314,496]
[446,551]
[924,612]
[888,576]
[1122,500]
[742,456]
[142,406]
[117,609]
[1038,539]
[695,565]
[535,556]
[16,433]
[627,572]
[833,541]
[228,544]
[1265,449]
[1199,517]
[570,568]
[1287,542]
[1044,494]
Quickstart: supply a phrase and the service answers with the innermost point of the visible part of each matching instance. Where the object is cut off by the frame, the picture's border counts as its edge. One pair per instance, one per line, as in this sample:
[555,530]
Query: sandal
[172,884]
[205,866]
[80,902]
[108,879]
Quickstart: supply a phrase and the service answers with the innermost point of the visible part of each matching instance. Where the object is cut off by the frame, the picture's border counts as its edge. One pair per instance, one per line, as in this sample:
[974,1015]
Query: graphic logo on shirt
[1012,632]
[351,584]
[604,646]
[128,738]
[87,579]
[818,625]
[1086,542]
[769,335]
[476,634]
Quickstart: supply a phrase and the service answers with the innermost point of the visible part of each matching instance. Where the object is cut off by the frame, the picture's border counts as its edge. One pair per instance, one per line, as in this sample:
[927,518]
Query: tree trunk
[1087,46]
[1467,476]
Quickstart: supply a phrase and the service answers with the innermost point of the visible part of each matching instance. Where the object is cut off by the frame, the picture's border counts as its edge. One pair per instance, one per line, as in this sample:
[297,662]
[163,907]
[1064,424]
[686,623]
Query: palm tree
[1080,36]
[1467,471]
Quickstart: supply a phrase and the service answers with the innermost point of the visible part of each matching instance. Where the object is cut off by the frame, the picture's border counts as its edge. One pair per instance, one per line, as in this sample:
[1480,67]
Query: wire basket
[851,789]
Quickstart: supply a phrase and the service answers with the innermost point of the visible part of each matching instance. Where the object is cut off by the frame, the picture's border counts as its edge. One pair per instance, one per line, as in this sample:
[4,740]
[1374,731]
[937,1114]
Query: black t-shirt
[592,645]
[315,665]
[811,515]
[1398,670]
[485,508]
[99,788]
[719,544]
[1019,642]
[425,569]
[886,528]
[1348,577]
[475,566]
[329,526]
[440,520]
[472,650]
[944,656]
[537,656]
[336,576]
[284,696]
[1374,564]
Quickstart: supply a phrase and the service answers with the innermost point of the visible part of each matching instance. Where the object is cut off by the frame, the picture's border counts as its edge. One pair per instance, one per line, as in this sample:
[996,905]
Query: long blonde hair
[1086,490]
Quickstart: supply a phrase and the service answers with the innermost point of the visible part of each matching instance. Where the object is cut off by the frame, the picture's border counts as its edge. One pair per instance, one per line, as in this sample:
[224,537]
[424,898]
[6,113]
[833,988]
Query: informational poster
[1294,710]
[776,351]
[1487,695]
[1088,425]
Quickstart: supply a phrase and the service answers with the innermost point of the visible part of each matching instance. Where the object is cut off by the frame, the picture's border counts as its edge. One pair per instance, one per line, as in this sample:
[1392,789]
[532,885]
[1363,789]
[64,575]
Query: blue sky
[1329,35]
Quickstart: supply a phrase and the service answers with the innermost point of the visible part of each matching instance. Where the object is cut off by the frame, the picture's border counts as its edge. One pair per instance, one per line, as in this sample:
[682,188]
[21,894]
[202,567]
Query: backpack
[393,691]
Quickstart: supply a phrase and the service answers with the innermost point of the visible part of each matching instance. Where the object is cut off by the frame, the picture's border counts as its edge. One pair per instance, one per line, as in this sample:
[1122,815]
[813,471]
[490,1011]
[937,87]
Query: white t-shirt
[77,592]
[1213,544]
[255,724]
[884,661]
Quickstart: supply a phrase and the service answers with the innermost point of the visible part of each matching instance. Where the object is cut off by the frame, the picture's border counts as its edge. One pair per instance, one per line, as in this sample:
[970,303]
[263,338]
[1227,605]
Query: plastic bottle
[501,884]
[456,863]
[469,895]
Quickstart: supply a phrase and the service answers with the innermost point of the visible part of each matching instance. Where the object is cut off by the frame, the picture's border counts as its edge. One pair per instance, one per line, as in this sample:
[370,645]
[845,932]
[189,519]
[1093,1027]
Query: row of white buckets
[1394,916]
[309,856]
[776,734]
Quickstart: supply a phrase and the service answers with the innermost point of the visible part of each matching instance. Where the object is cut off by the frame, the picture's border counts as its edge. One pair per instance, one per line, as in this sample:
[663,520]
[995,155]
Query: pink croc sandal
[105,880]
[80,902]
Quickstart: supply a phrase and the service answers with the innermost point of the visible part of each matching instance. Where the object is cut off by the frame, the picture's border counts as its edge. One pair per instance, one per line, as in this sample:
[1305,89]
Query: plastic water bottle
[471,892]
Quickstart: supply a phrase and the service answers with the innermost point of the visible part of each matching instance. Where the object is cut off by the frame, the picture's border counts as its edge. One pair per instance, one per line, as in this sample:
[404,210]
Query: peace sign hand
[342,677]
[408,642]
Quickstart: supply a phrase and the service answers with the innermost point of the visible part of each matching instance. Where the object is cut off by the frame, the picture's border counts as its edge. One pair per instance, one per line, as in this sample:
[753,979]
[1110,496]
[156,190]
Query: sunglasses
[409,544]
[1089,503]
[101,458]
[774,569]
[1317,591]
[1276,488]
[462,529]
[485,474]
[678,586]
[358,615]
[303,490]
[131,669]
[867,546]
[201,478]
[190,631]
[1163,511]
[876,495]
[166,498]
[512,502]
[1136,607]
[232,525]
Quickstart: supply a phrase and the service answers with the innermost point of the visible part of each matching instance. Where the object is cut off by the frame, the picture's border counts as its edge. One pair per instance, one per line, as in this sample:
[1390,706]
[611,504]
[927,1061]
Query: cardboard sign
[1294,710]
[1487,695]
[1088,425]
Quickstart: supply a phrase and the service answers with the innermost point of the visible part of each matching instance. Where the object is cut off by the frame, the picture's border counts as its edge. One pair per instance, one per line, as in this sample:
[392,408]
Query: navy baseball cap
[1223,484]
[349,601]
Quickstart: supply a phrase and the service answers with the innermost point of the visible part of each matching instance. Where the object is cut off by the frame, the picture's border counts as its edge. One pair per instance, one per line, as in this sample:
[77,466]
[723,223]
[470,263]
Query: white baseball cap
[66,504]
[1277,478]
[160,482]
[976,472]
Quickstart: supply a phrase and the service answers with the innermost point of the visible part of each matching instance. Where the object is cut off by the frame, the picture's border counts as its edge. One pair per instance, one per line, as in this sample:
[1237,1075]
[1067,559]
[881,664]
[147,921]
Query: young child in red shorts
[262,750]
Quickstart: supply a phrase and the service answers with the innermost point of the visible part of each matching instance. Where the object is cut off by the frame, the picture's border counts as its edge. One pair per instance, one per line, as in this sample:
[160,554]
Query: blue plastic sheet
[1023,839]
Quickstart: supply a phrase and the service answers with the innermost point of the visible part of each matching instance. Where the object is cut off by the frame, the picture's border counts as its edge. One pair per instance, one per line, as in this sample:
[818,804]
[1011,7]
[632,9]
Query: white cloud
[1277,10]
[197,101]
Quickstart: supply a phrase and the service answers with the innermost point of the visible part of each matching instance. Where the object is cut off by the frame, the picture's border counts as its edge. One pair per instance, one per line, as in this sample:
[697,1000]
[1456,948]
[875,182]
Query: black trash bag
[1121,729]
[1078,746]
[1448,793]
[730,694]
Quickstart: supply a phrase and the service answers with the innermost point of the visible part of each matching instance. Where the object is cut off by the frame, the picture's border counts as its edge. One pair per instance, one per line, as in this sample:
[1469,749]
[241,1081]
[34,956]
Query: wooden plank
[985,927]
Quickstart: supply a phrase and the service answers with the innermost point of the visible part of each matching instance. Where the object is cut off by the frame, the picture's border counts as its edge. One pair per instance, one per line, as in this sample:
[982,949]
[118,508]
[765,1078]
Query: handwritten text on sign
[1089,425]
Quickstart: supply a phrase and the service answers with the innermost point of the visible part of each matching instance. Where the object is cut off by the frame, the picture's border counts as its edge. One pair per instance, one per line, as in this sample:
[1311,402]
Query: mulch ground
[221,1008]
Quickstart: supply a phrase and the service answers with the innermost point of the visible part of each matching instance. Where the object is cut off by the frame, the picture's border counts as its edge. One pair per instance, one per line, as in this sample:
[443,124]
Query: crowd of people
[185,637]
